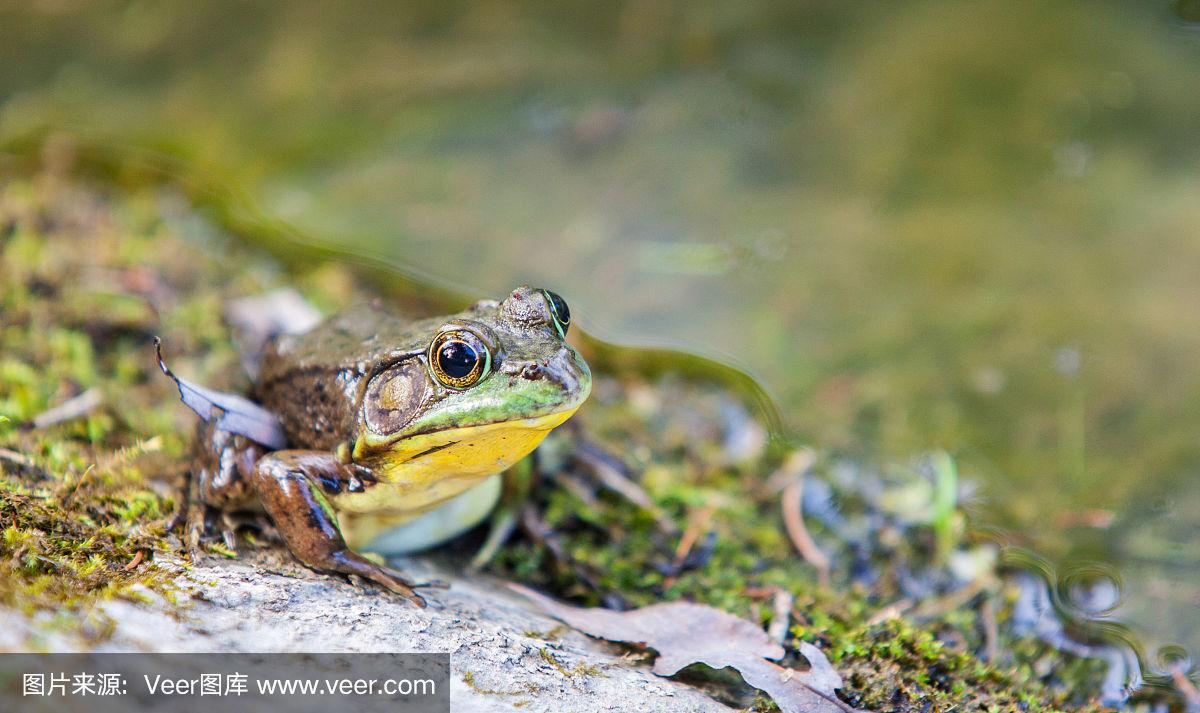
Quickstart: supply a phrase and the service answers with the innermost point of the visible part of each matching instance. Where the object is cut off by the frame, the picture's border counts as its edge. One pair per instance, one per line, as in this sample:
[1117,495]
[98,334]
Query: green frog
[368,422]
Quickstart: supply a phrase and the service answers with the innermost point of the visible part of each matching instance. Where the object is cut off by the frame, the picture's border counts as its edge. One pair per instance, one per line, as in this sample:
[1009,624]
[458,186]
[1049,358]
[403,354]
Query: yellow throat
[420,472]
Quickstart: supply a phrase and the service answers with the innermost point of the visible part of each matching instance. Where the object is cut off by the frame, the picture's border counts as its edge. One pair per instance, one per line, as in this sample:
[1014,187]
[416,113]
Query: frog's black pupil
[457,359]
[561,311]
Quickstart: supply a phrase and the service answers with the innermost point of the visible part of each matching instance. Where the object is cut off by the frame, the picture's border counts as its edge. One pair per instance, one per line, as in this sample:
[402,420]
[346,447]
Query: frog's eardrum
[395,396]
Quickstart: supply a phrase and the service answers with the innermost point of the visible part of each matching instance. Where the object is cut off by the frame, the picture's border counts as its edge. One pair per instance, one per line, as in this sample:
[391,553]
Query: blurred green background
[969,226]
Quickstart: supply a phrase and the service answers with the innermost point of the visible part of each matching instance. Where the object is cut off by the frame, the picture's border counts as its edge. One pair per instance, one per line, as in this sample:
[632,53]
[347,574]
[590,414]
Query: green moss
[527,689]
[86,279]
[552,635]
[579,669]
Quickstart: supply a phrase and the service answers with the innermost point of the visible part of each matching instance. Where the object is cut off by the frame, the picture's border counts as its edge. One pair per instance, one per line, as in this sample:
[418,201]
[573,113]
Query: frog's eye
[459,359]
[559,311]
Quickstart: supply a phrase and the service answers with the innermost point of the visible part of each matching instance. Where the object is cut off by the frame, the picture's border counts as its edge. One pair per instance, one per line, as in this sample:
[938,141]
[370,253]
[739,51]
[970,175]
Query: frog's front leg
[219,479]
[292,486]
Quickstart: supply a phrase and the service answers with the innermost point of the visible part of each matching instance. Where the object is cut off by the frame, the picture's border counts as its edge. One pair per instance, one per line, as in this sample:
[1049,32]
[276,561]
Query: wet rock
[505,654]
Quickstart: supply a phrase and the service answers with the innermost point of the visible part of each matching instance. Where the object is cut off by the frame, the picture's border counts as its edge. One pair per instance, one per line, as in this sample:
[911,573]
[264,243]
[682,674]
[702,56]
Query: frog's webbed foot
[293,487]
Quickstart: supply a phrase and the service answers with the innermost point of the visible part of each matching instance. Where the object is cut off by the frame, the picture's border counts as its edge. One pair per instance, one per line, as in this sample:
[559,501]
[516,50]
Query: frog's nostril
[533,372]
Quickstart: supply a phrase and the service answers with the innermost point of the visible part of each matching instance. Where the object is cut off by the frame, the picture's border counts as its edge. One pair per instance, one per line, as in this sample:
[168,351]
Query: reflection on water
[1038,613]
[970,227]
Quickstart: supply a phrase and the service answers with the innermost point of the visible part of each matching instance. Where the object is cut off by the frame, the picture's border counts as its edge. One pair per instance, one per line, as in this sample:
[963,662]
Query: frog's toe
[195,552]
[194,532]
[432,584]
[398,585]
[229,535]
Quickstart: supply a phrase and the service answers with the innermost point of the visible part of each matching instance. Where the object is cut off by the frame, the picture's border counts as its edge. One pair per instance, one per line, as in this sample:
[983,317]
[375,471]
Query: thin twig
[833,699]
[578,488]
[891,611]
[611,473]
[72,488]
[16,458]
[71,409]
[137,559]
[793,515]
[781,615]
[1186,688]
[991,636]
[937,608]
[697,522]
[22,462]
[796,465]
[543,534]
[830,697]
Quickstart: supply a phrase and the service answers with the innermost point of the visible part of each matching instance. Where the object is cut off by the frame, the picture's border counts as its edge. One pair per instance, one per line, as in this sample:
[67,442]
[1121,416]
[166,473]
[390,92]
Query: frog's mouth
[435,466]
[489,443]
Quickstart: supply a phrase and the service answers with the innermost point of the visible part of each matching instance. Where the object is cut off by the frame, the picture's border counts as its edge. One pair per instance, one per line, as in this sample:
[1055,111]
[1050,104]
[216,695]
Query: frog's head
[485,389]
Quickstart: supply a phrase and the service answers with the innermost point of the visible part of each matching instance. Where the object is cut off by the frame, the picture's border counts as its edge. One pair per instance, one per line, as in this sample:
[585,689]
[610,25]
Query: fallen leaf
[234,413]
[684,633]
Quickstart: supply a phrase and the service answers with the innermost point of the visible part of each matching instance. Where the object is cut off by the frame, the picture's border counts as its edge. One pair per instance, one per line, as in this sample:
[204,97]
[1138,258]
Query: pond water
[971,227]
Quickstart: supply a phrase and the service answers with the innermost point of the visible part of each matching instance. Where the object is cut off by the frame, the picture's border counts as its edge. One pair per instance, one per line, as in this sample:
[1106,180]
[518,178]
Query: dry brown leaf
[685,633]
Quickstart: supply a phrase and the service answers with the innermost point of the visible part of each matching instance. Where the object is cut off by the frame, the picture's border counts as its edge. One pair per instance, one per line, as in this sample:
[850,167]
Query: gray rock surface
[266,603]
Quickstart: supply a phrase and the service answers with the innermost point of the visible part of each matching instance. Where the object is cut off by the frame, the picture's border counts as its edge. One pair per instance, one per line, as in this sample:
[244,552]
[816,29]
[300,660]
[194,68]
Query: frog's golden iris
[459,358]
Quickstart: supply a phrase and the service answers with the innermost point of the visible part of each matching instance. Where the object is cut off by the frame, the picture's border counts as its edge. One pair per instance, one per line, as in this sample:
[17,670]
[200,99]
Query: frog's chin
[433,467]
[490,446]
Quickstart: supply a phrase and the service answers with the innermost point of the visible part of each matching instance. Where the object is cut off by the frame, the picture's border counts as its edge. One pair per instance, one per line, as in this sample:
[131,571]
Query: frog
[370,423]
